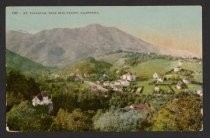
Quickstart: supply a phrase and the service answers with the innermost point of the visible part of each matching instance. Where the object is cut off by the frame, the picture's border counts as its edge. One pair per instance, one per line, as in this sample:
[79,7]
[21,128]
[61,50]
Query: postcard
[104,68]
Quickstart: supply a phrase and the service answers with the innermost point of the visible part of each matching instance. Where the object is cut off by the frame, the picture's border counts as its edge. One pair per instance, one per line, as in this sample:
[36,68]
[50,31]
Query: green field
[147,69]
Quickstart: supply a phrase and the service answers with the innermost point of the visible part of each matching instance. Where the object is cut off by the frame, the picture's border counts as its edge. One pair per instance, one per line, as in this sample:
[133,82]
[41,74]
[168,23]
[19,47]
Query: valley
[122,82]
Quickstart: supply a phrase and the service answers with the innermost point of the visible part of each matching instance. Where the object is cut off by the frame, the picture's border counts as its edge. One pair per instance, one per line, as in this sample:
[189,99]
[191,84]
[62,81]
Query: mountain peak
[62,46]
[95,25]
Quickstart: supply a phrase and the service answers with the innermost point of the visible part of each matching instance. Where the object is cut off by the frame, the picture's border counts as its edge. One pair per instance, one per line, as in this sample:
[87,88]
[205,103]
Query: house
[186,80]
[177,69]
[129,76]
[43,99]
[179,85]
[139,106]
[160,79]
[199,92]
[155,76]
[139,90]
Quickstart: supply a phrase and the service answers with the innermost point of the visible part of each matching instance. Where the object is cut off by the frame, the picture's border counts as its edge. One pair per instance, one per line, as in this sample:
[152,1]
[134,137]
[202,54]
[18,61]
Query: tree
[75,121]
[180,114]
[25,117]
[20,88]
[118,120]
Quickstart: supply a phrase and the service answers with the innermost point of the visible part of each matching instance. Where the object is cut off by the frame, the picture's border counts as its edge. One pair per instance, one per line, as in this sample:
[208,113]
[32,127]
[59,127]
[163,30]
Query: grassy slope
[112,58]
[145,71]
[17,62]
[86,65]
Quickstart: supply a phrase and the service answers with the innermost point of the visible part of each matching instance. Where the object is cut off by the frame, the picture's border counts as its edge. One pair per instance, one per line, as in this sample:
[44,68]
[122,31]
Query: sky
[177,27]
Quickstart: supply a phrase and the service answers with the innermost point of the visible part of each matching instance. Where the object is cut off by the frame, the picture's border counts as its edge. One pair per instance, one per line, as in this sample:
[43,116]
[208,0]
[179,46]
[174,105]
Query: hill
[17,62]
[87,66]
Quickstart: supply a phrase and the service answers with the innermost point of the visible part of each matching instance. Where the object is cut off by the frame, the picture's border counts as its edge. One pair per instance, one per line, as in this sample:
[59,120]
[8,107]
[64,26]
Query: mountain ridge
[61,46]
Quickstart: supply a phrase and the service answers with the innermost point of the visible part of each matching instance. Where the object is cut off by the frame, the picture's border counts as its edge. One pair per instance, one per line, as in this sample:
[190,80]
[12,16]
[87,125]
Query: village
[174,81]
[97,90]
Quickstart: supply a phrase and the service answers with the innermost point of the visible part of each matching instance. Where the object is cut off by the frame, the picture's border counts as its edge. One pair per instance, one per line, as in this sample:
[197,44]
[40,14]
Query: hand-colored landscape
[100,78]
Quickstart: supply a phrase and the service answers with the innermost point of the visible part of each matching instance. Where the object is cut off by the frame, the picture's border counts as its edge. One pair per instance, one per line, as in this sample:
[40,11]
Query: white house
[186,80]
[160,79]
[129,76]
[177,69]
[42,99]
[199,92]
[155,76]
[139,90]
[179,85]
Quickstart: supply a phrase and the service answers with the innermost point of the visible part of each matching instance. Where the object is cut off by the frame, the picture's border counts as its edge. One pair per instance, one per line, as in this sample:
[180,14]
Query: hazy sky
[178,27]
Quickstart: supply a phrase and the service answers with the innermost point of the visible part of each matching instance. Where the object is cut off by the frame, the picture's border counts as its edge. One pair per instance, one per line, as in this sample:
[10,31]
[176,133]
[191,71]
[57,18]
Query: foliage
[182,113]
[20,88]
[79,97]
[120,120]
[24,117]
[90,66]
[17,62]
[75,121]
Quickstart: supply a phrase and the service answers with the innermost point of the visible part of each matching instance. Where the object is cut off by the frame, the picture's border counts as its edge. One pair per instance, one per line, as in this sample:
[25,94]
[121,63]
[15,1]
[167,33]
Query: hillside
[61,46]
[88,66]
[17,62]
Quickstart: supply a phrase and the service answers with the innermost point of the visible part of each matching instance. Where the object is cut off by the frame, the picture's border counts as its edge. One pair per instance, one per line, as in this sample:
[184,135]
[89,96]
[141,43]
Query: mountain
[17,62]
[62,46]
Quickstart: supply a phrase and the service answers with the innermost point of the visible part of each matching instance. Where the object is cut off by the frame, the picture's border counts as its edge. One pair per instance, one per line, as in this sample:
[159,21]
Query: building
[43,99]
[199,92]
[186,80]
[129,76]
[177,69]
[179,85]
[139,90]
[160,79]
[155,76]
